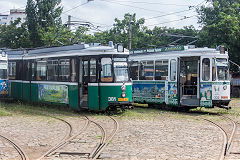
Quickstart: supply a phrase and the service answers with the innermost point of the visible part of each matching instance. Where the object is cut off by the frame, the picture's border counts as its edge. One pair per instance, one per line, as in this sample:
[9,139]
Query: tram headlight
[123,88]
[123,94]
[225,87]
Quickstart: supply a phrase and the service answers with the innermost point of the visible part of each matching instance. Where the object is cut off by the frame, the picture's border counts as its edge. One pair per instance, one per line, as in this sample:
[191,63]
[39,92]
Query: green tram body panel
[112,94]
[16,90]
[73,96]
[26,92]
[99,97]
[93,97]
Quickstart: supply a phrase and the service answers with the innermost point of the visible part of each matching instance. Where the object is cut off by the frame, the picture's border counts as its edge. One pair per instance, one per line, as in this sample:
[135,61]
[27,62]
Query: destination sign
[154,50]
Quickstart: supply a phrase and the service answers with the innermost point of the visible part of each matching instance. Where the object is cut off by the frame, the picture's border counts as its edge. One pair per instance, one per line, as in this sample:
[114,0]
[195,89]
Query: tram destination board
[153,50]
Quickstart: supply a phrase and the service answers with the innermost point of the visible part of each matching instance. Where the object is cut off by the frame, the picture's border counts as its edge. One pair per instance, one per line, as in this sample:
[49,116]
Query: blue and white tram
[181,76]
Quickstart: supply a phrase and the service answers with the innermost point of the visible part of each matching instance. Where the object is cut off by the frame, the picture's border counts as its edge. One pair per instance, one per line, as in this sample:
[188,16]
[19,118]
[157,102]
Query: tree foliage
[42,15]
[221,25]
[14,36]
[143,37]
[55,36]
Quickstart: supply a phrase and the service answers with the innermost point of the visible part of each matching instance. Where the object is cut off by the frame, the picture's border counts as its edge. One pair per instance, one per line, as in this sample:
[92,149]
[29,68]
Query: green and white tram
[181,76]
[79,76]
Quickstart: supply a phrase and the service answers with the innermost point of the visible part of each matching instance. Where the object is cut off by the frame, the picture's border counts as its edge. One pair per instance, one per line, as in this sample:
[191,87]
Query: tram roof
[63,51]
[183,51]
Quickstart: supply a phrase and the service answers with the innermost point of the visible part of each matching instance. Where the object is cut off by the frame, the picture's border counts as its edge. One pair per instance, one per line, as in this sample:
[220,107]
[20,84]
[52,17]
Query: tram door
[189,81]
[83,83]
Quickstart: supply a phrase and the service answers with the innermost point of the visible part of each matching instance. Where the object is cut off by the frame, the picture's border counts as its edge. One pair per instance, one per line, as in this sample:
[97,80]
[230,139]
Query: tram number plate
[224,97]
[122,99]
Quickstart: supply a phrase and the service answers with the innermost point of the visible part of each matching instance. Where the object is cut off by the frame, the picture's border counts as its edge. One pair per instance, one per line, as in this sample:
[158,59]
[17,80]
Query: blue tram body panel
[172,94]
[149,91]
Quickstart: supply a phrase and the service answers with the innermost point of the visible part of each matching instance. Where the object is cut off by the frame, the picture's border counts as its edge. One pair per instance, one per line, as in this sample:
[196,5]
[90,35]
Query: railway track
[67,136]
[105,141]
[22,154]
[96,151]
[227,138]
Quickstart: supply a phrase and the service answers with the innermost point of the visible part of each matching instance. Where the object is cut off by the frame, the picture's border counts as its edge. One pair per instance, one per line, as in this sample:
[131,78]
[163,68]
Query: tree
[48,13]
[42,15]
[12,36]
[56,36]
[81,35]
[142,37]
[120,31]
[32,24]
[221,25]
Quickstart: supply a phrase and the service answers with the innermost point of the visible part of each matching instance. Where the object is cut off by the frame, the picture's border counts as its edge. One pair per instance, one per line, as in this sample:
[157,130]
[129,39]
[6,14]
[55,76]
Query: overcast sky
[170,13]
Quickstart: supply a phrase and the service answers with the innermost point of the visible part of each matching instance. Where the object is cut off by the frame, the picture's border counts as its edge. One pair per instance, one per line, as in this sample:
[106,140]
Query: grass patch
[98,137]
[140,112]
[3,112]
[19,108]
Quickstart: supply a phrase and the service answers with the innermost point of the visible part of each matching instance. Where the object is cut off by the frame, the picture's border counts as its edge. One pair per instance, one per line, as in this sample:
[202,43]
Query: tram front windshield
[121,71]
[222,69]
[3,69]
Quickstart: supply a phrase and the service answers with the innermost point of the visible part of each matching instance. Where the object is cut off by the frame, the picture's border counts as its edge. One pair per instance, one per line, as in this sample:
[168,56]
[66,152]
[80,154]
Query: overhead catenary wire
[153,3]
[151,10]
[87,24]
[100,25]
[75,7]
[173,13]
[184,18]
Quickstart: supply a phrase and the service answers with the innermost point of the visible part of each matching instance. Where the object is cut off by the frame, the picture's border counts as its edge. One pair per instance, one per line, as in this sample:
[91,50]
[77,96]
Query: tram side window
[19,70]
[146,70]
[52,70]
[12,70]
[106,70]
[3,69]
[41,70]
[161,70]
[33,70]
[214,70]
[173,69]
[85,72]
[64,70]
[73,71]
[205,69]
[134,70]
[222,69]
[93,73]
[27,69]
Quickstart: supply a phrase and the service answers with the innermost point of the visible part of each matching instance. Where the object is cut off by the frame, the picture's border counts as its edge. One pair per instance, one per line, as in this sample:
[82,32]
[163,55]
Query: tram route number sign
[114,99]
[122,99]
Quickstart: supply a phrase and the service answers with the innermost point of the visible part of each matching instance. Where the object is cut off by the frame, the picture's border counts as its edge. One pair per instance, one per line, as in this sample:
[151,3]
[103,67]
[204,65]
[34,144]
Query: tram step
[190,102]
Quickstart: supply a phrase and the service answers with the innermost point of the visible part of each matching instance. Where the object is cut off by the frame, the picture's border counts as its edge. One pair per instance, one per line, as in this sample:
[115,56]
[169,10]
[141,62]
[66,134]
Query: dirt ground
[143,134]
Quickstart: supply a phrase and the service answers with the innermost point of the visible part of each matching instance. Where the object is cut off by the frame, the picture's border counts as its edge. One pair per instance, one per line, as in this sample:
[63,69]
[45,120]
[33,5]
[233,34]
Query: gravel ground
[162,136]
[166,138]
